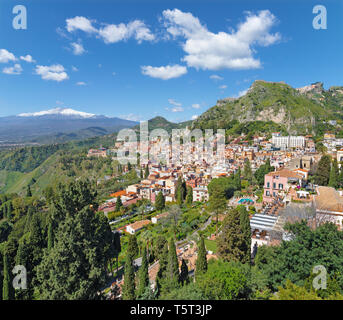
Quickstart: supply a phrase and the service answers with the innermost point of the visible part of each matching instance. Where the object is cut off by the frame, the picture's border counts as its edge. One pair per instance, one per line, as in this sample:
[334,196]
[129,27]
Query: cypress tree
[322,174]
[184,277]
[146,173]
[160,202]
[237,179]
[7,288]
[189,197]
[201,262]
[132,247]
[247,173]
[129,279]
[143,275]
[23,258]
[119,204]
[246,231]
[232,245]
[163,262]
[117,246]
[173,266]
[334,173]
[9,209]
[50,236]
[28,191]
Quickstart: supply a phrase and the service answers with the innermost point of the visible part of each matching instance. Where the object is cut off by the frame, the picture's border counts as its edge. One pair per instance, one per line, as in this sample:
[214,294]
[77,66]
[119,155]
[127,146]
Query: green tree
[129,280]
[180,191]
[222,281]
[28,191]
[247,172]
[160,202]
[50,237]
[246,231]
[232,244]
[237,179]
[132,247]
[184,273]
[162,270]
[322,174]
[7,288]
[146,173]
[295,259]
[189,197]
[217,202]
[75,267]
[172,267]
[119,204]
[143,275]
[24,258]
[201,262]
[334,174]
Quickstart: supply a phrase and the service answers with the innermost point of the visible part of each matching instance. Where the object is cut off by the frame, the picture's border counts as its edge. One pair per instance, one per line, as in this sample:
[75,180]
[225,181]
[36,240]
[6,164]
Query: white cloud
[81,83]
[164,72]
[74,69]
[80,23]
[112,33]
[224,86]
[16,69]
[6,56]
[27,58]
[242,93]
[78,48]
[196,106]
[213,51]
[216,77]
[177,109]
[131,117]
[174,103]
[195,117]
[54,72]
[137,29]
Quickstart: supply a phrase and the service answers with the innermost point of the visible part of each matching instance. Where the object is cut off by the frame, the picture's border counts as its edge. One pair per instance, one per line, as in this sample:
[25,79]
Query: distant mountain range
[266,107]
[58,125]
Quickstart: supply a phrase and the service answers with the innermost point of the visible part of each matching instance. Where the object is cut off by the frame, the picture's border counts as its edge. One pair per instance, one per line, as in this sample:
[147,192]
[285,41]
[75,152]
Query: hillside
[298,111]
[162,123]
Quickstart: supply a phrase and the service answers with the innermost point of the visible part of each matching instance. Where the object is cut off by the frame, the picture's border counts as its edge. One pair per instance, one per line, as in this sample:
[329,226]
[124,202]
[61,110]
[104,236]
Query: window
[274,185]
[267,193]
[268,184]
[280,186]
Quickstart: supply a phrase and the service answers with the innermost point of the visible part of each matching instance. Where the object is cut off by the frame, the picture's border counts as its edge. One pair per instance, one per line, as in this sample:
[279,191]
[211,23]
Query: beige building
[329,206]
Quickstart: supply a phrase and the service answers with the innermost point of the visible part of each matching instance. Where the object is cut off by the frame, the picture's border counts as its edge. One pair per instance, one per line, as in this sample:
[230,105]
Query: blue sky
[139,59]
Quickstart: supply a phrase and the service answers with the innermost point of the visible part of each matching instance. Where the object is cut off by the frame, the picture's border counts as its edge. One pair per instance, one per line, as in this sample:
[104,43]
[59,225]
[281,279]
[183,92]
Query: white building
[288,141]
[200,194]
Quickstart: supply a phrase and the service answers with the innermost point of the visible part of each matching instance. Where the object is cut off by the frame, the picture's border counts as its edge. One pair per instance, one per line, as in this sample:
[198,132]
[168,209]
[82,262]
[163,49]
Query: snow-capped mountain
[68,112]
[65,122]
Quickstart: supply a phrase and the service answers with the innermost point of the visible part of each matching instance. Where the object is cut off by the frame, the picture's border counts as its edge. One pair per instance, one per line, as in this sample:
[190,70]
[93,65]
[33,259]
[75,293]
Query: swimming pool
[245,200]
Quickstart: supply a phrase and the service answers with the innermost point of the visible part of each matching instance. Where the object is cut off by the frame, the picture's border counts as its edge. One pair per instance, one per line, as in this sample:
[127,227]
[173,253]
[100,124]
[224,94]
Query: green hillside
[296,111]
[162,123]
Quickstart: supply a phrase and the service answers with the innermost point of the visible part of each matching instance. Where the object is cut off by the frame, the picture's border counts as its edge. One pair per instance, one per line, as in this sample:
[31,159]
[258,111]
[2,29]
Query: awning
[262,222]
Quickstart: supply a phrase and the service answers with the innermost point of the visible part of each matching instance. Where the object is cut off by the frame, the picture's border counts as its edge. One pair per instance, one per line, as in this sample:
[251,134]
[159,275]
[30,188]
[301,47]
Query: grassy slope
[301,110]
[8,179]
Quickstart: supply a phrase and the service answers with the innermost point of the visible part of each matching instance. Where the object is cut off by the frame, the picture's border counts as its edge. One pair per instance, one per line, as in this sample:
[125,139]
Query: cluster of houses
[293,157]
